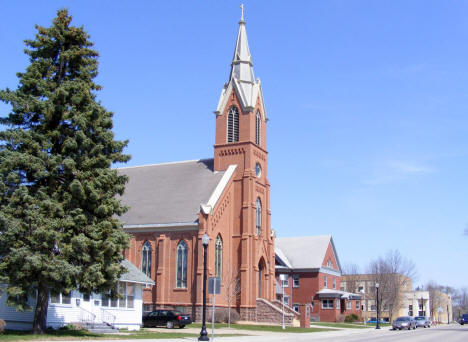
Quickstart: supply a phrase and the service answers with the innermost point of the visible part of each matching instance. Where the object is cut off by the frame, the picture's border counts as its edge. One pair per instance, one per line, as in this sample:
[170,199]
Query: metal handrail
[87,316]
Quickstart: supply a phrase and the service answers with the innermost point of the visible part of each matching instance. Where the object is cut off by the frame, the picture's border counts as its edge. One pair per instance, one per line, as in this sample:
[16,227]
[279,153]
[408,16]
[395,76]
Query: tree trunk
[40,315]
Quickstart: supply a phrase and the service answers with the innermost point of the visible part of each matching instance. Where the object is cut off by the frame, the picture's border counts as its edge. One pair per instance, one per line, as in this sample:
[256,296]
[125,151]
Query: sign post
[214,288]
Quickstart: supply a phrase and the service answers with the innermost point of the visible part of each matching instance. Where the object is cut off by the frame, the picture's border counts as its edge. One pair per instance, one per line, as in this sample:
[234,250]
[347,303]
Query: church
[172,205]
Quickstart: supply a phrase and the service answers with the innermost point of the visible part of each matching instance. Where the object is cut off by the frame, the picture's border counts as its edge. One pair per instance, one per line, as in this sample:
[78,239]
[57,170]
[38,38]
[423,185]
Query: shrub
[2,325]
[222,315]
[351,318]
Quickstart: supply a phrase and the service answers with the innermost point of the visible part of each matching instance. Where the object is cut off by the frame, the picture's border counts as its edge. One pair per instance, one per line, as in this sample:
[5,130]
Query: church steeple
[241,78]
[242,66]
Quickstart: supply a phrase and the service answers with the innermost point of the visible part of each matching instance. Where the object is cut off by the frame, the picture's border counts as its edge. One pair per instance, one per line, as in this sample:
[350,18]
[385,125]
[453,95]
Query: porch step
[101,328]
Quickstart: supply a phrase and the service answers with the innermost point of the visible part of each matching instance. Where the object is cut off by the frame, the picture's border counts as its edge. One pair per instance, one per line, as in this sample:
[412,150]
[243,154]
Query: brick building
[311,271]
[228,197]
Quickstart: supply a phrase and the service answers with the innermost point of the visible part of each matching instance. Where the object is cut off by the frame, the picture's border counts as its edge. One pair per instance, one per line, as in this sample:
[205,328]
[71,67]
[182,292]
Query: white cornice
[208,207]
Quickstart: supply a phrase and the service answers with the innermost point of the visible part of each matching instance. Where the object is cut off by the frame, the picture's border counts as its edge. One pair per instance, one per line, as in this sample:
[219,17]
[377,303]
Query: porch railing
[107,317]
[86,317]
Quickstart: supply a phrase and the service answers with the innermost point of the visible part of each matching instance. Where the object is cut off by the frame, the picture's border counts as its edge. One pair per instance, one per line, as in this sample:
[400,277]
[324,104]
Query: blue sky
[367,101]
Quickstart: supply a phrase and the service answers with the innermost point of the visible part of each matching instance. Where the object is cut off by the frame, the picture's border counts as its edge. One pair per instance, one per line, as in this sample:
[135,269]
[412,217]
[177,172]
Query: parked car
[463,319]
[167,318]
[422,321]
[374,320]
[404,322]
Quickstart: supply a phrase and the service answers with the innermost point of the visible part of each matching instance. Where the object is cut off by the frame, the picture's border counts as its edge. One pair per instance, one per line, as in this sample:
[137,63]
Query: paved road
[450,333]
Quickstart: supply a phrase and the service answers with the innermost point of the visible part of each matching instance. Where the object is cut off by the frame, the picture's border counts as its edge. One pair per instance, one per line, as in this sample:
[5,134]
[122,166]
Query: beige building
[441,308]
[416,303]
[365,284]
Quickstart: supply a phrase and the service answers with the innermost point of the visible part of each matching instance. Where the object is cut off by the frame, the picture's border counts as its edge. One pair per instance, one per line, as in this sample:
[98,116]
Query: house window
[327,303]
[357,305]
[334,283]
[259,216]
[296,307]
[338,304]
[295,280]
[372,307]
[286,300]
[257,128]
[219,257]
[127,294]
[60,298]
[285,282]
[233,125]
[146,259]
[307,311]
[348,305]
[312,306]
[410,310]
[329,263]
[325,281]
[361,289]
[182,252]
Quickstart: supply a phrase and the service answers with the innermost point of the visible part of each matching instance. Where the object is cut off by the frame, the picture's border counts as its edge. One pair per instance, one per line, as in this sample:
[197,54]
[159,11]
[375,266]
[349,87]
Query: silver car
[422,321]
[404,322]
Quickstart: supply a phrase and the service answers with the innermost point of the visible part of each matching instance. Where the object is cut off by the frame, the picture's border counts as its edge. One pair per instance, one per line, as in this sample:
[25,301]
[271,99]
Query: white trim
[218,191]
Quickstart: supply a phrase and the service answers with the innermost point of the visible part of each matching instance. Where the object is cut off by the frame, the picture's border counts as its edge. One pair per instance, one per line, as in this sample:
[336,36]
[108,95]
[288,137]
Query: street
[450,333]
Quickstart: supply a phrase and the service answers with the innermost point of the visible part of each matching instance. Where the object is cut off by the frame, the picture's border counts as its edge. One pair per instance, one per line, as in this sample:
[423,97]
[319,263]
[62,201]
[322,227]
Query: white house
[88,310]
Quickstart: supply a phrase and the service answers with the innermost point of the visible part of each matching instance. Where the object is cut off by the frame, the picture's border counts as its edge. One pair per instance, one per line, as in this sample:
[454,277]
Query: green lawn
[59,335]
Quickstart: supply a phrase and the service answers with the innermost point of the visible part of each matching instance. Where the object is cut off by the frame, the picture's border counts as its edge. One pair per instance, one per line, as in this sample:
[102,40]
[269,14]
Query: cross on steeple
[242,12]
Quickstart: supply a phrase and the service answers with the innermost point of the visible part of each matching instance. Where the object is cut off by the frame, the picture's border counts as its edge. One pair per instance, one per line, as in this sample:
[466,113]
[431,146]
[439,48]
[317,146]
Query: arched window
[146,259]
[182,252]
[257,128]
[219,257]
[259,216]
[233,125]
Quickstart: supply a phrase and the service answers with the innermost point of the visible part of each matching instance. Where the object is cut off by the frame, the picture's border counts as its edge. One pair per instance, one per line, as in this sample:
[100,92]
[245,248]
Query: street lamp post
[282,279]
[203,332]
[378,317]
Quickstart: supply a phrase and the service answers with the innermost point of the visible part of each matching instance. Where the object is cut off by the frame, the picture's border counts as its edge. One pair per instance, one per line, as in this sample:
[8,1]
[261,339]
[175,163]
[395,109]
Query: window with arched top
[219,257]
[233,125]
[259,216]
[182,253]
[257,128]
[146,259]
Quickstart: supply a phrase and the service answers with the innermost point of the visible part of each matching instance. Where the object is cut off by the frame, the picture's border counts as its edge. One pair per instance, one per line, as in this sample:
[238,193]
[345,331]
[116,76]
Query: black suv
[463,319]
[167,318]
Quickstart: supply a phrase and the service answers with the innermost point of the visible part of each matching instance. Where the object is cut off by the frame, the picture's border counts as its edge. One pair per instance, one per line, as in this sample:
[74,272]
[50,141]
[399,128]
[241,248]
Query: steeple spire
[242,66]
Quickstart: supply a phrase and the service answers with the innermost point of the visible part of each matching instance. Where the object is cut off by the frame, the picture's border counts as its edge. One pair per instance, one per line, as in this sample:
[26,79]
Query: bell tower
[241,140]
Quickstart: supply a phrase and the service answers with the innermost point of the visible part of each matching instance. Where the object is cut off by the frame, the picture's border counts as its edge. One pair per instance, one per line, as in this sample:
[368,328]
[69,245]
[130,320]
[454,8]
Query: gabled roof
[134,275]
[304,252]
[171,194]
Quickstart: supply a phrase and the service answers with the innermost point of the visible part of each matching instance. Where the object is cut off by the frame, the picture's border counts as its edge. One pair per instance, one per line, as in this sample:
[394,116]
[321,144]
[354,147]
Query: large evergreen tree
[58,194]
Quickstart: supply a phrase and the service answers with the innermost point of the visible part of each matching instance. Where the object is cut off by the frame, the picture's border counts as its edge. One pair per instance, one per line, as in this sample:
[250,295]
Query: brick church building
[173,205]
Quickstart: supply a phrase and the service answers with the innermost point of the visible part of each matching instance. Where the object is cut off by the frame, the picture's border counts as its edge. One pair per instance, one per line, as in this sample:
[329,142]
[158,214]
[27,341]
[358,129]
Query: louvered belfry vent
[233,125]
[257,128]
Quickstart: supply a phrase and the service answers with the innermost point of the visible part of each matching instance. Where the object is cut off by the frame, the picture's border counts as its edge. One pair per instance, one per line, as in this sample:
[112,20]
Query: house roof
[170,193]
[304,252]
[134,275]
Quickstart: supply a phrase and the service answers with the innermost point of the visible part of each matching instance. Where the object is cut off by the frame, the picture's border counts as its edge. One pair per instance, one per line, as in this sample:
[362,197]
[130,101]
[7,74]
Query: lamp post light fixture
[377,285]
[282,279]
[203,333]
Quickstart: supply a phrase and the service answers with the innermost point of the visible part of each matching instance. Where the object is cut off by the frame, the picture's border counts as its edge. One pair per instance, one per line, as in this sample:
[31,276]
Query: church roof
[171,194]
[304,252]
